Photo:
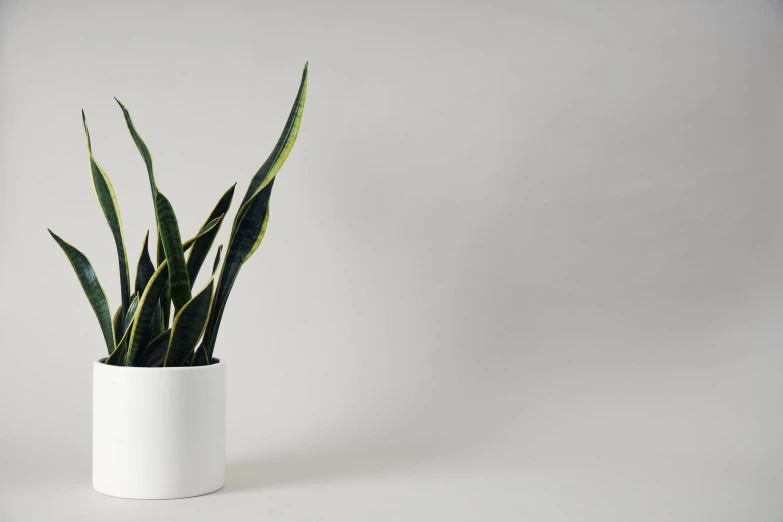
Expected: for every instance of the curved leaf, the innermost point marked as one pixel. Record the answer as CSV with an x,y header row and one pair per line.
x,y
132,309
122,322
143,150
155,351
160,253
157,321
111,211
279,154
188,325
118,325
146,323
141,333
145,154
251,220
165,298
248,236
200,250
144,271
92,288
260,235
199,357
217,260
117,357
165,303
144,268
206,229
179,283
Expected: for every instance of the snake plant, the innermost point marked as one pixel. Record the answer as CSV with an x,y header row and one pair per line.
x,y
142,331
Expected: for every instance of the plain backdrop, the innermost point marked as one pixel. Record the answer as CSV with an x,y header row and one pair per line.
x,y
525,261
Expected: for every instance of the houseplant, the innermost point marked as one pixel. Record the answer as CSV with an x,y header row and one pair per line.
x,y
159,395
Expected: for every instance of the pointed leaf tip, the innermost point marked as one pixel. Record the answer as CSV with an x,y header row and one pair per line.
x,y
92,288
217,260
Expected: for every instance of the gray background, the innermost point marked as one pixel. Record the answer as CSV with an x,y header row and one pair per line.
x,y
524,262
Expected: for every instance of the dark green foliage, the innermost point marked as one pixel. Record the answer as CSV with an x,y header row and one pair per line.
x,y
92,289
145,268
138,334
156,350
179,284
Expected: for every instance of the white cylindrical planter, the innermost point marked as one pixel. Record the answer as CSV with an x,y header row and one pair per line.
x,y
158,433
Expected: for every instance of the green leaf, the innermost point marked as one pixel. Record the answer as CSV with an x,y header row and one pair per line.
x,y
188,326
248,236
144,271
120,321
279,154
161,254
179,283
145,325
155,351
142,330
157,321
118,325
199,357
190,323
251,220
111,211
144,268
200,250
117,357
165,304
210,228
217,260
203,231
132,309
92,288
259,207
165,299
145,154
143,150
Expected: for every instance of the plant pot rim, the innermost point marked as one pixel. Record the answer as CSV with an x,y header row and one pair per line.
x,y
217,362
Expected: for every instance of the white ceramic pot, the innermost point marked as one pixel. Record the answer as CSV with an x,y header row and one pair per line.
x,y
158,433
